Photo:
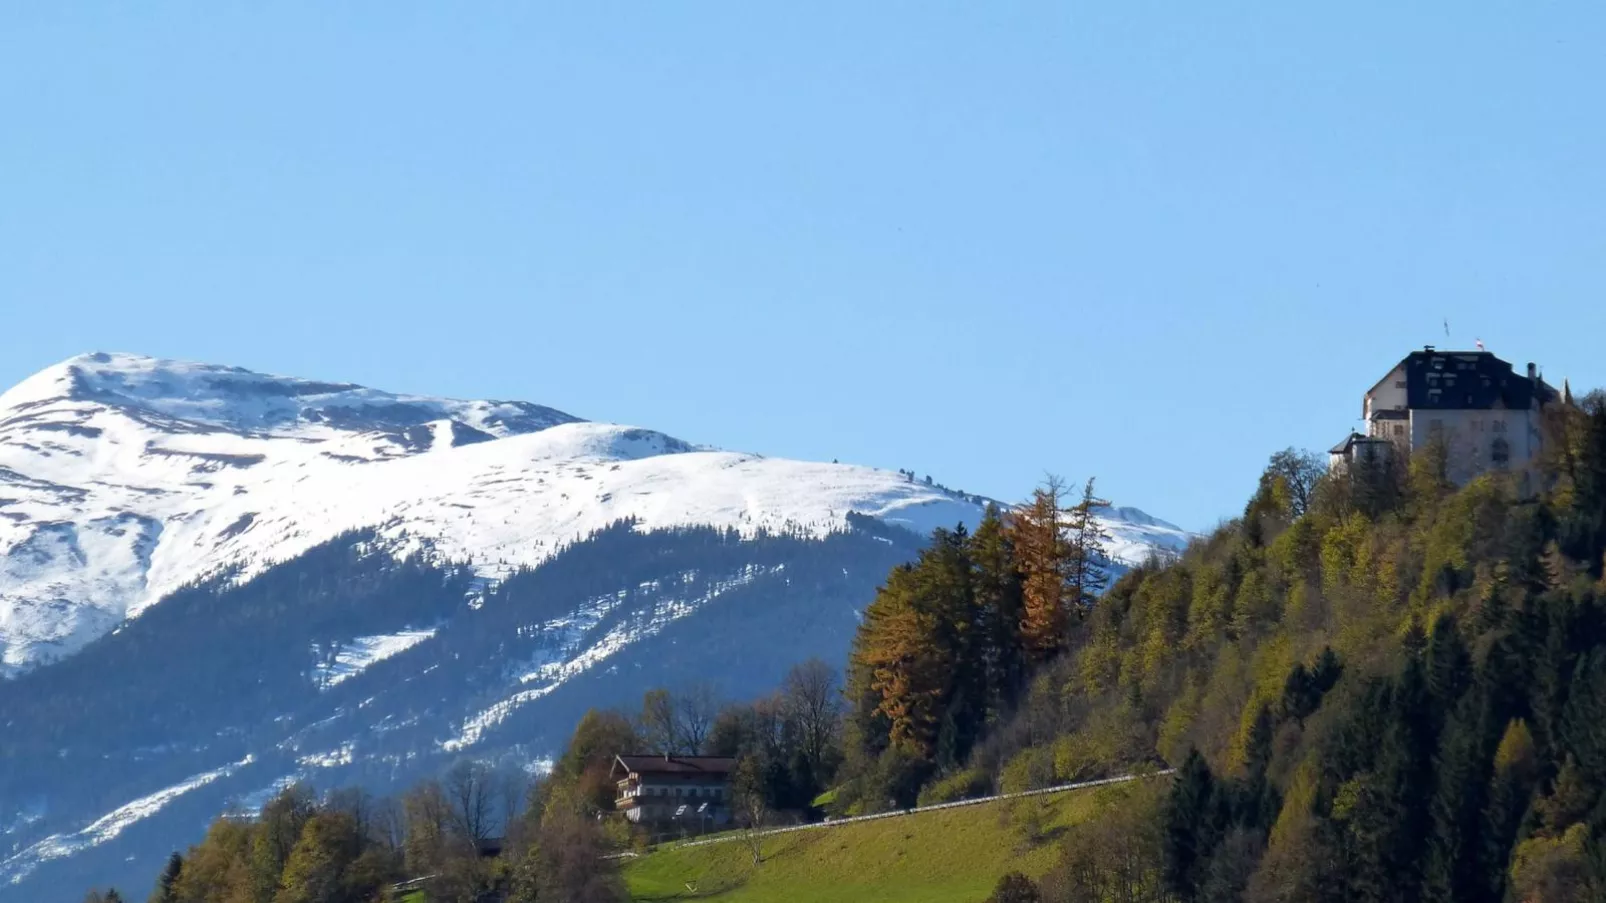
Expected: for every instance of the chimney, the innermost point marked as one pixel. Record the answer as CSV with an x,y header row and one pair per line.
x,y
1533,370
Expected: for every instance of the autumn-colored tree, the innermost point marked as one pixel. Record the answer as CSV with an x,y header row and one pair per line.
x,y
218,868
316,869
906,672
1037,530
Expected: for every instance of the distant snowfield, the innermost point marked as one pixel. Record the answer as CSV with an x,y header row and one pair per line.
x,y
355,657
569,655
123,478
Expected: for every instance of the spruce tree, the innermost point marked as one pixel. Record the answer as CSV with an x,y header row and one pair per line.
x,y
1516,772
1584,718
1454,868
1449,664
1325,673
166,890
1297,698
1258,802
997,587
1087,573
1193,827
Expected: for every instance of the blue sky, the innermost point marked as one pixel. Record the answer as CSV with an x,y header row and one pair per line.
x,y
1151,242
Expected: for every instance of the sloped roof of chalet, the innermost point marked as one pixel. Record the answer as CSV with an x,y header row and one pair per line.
x,y
682,765
1468,380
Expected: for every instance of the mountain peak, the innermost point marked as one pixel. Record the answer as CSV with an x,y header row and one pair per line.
x,y
237,399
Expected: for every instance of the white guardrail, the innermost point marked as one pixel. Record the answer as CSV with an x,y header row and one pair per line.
x,y
898,813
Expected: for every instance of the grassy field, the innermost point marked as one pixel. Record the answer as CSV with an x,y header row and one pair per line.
x,y
952,856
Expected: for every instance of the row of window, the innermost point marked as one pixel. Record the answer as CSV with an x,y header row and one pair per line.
x,y
1436,426
692,792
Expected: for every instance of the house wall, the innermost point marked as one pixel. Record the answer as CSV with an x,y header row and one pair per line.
x,y
1388,395
658,796
1470,436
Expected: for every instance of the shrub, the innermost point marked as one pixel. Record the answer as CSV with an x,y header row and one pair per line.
x,y
961,785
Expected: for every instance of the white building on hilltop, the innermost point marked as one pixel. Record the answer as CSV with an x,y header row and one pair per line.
x,y
1486,415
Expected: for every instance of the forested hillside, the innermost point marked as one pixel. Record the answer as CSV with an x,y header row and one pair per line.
x,y
1376,686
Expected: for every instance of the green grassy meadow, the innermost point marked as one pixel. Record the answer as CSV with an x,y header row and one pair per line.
x,y
950,856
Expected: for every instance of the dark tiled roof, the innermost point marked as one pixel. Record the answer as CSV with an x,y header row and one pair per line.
x,y
1469,380
1352,440
648,764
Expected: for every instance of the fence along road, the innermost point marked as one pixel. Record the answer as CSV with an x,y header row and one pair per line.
x,y
1062,788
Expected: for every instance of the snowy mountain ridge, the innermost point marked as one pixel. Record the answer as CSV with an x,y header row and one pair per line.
x,y
124,478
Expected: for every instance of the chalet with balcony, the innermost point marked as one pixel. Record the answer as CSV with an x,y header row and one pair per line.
x,y
660,789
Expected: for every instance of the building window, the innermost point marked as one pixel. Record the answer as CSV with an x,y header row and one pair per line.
x,y
1500,453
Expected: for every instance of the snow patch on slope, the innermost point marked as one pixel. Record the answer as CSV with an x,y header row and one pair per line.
x,y
353,658
107,827
574,651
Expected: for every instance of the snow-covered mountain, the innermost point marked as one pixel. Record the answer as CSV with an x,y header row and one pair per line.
x,y
214,582
123,478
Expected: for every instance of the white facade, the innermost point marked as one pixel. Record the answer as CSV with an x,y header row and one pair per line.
x,y
1479,441
1388,395
1487,416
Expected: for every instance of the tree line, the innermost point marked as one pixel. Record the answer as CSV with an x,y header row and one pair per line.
x,y
483,828
950,641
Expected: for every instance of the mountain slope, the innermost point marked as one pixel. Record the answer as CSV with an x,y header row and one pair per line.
x,y
123,478
213,582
